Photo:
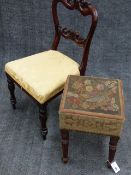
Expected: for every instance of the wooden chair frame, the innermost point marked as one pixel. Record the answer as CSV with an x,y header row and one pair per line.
x,y
86,9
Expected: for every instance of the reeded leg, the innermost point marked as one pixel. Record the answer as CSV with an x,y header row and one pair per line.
x,y
65,144
43,119
112,149
11,87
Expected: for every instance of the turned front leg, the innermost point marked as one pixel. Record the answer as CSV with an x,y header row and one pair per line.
x,y
43,119
11,87
65,144
112,149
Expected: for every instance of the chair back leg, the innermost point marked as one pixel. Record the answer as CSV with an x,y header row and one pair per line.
x,y
11,87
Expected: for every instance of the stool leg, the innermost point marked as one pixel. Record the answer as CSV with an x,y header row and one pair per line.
x,y
11,87
43,119
112,149
65,144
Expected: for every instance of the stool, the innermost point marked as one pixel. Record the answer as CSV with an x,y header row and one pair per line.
x,y
94,105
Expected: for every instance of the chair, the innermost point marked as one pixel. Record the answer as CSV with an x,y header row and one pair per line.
x,y
42,76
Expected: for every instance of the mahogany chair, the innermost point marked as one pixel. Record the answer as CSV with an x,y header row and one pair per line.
x,y
43,75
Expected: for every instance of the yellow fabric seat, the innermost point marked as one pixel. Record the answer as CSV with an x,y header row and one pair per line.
x,y
44,74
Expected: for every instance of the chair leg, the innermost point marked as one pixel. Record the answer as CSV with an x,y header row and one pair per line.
x,y
65,144
43,119
11,87
112,149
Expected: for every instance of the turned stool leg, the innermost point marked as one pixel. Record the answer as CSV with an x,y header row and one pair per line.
x,y
65,143
112,149
43,119
11,87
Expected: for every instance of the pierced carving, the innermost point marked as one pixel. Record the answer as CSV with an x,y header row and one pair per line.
x,y
77,3
74,36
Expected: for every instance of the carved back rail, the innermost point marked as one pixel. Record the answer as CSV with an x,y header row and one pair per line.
x,y
86,9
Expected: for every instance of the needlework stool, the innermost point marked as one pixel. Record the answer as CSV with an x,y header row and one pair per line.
x,y
94,105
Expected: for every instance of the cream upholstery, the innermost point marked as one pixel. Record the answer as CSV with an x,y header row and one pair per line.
x,y
44,74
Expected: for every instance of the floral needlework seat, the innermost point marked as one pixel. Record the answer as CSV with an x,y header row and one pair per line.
x,y
92,104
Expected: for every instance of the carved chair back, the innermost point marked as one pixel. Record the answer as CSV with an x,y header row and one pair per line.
x,y
86,9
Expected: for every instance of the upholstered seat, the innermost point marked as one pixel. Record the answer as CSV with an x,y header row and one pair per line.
x,y
32,74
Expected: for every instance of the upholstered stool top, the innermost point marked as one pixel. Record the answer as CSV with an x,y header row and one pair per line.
x,y
92,104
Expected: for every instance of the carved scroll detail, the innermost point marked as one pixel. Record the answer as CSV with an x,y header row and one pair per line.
x,y
74,36
77,3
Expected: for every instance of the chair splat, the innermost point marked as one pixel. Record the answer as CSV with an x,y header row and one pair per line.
x,y
74,36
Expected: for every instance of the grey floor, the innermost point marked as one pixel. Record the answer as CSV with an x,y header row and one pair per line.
x,y
26,28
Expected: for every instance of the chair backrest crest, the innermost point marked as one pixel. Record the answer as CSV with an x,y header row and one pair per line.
x,y
86,9
79,4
